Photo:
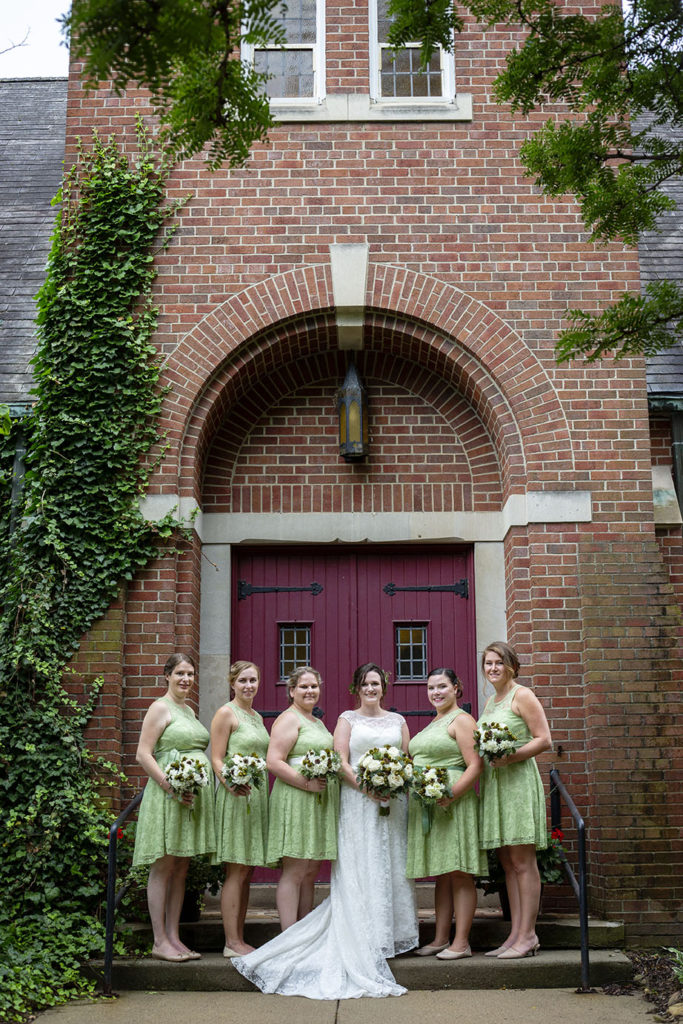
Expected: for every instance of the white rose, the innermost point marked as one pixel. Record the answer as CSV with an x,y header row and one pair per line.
x,y
395,781
393,752
377,780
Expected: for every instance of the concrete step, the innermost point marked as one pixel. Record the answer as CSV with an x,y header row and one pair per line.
x,y
555,931
549,969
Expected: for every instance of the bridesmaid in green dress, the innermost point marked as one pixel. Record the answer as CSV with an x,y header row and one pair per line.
x,y
167,834
450,850
302,825
241,811
513,819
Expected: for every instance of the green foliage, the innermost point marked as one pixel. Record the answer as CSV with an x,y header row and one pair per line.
x,y
187,54
677,965
636,323
433,24
80,534
4,420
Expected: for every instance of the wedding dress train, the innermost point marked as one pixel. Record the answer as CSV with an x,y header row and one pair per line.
x,y
339,950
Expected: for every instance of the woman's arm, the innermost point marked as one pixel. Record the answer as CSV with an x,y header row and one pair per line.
x,y
155,721
283,736
461,730
405,737
342,739
526,704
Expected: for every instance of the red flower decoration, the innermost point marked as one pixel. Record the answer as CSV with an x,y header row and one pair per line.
x,y
558,834
119,834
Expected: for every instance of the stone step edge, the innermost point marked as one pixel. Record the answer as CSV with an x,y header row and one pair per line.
x,y
556,932
550,969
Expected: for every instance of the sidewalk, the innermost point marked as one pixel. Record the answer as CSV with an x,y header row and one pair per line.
x,y
466,1006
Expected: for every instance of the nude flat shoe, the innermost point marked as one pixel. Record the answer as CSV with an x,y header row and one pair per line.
x,y
454,954
430,950
229,953
179,958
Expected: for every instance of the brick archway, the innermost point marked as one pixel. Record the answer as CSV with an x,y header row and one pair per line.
x,y
433,324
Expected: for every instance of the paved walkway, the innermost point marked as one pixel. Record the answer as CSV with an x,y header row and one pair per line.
x,y
540,1006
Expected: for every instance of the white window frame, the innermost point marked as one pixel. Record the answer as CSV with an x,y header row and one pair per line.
x,y
318,52
447,70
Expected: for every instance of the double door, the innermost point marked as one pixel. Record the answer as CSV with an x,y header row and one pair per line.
x,y
406,609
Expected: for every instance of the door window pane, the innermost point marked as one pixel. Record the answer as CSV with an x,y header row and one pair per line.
x,y
295,647
411,650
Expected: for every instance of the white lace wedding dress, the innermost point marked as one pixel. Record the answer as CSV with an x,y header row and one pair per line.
x,y
339,950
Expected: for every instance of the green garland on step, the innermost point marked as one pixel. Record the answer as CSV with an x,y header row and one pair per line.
x,y
92,439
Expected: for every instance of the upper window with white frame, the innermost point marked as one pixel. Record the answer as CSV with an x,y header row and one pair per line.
x,y
397,75
296,70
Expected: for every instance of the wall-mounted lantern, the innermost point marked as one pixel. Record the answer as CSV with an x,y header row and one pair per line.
x,y
352,407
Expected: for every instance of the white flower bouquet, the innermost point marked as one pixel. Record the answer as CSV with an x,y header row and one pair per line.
x,y
494,741
429,786
320,764
244,770
186,775
385,772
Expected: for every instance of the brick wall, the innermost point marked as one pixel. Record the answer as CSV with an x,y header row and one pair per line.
x,y
470,273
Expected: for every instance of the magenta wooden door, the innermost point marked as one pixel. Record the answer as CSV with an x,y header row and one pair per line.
x,y
408,609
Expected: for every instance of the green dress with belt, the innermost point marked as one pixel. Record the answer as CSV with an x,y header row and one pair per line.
x,y
512,797
299,823
165,825
241,826
452,843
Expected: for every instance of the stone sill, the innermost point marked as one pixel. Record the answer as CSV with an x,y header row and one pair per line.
x,y
359,107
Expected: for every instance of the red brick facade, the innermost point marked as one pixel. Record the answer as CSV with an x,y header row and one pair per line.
x,y
470,273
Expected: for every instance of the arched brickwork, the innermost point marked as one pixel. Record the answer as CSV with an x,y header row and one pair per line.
x,y
272,324
277,448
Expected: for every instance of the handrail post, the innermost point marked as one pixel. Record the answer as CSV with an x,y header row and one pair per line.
x,y
583,908
112,902
111,910
557,793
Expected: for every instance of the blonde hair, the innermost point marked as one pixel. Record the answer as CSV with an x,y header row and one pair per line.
x,y
296,674
506,653
238,667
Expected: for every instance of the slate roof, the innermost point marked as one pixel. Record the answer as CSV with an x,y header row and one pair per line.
x,y
661,256
32,130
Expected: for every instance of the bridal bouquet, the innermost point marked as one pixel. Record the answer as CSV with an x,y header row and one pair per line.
x,y
244,770
385,772
494,741
186,775
320,764
429,786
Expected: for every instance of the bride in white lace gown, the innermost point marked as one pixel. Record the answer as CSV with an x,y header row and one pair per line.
x,y
339,950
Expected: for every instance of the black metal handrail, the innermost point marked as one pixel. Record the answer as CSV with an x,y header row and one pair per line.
x,y
558,792
114,897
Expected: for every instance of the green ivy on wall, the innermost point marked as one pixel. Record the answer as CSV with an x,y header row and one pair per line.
x,y
91,439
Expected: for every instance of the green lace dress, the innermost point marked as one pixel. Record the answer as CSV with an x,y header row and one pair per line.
x,y
452,843
299,824
165,826
241,827
512,797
